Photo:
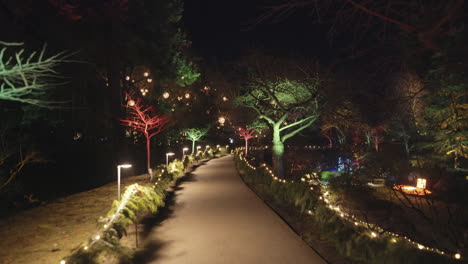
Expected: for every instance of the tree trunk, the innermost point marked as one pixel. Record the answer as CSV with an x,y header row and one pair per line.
x,y
246,146
278,151
148,153
193,146
405,142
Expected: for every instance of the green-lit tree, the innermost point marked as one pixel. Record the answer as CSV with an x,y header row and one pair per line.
x,y
287,105
27,77
195,134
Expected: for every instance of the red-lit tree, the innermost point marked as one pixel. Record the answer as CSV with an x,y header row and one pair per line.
x,y
144,119
246,134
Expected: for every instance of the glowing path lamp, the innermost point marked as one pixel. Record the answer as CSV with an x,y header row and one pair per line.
x,y
183,151
198,147
125,166
167,157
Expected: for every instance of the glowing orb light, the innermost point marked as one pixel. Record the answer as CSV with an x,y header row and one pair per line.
x,y
221,120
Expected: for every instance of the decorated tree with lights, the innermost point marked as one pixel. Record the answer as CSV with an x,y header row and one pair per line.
x,y
287,102
195,134
249,131
246,133
144,119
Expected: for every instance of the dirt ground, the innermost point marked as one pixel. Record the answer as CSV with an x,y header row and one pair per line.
x,y
47,233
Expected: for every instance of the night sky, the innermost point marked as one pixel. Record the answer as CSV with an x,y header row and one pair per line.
x,y
226,29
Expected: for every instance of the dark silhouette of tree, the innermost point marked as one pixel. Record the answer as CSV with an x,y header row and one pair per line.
x,y
423,19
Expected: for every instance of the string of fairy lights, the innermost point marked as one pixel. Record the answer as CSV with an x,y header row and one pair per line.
x,y
131,190
374,230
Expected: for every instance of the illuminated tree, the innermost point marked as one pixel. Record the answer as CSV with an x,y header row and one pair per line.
x,y
145,120
400,130
26,78
447,110
246,134
374,136
195,134
288,106
250,131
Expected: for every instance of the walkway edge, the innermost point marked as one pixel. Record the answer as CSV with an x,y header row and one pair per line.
x,y
280,216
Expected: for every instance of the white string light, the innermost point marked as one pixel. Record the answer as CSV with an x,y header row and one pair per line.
x,y
127,196
349,217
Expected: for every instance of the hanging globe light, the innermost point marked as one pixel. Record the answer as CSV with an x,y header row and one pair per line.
x,y
221,120
166,95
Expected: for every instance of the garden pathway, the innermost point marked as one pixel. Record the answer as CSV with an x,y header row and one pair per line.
x,y
216,218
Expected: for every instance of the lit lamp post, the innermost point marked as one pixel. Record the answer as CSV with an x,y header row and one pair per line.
x,y
183,151
167,157
125,166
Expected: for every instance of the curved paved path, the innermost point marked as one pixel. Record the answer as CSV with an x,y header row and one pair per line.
x,y
218,219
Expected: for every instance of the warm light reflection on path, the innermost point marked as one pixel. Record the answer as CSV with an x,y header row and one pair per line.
x,y
218,219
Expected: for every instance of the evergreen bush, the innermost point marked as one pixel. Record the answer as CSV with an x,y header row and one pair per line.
x,y
137,199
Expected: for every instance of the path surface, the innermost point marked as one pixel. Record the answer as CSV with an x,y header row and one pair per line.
x,y
216,218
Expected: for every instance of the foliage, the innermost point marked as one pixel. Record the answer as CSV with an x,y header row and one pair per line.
x,y
447,113
287,103
352,241
26,78
186,72
136,200
145,120
195,134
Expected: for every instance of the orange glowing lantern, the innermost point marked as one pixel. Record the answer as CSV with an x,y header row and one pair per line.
x,y
421,183
420,188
